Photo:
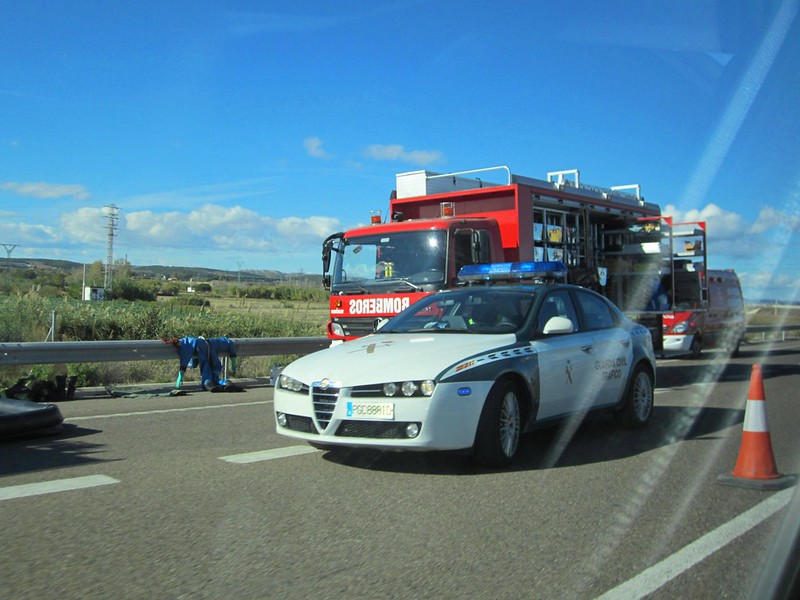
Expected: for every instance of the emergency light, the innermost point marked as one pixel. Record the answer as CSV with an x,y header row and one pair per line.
x,y
375,217
510,271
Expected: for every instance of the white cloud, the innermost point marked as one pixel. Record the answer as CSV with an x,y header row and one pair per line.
x,y
217,227
167,228
301,230
399,153
721,224
46,191
27,234
86,225
765,285
313,146
732,239
769,218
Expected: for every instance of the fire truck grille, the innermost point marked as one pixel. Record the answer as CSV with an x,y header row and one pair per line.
x,y
357,326
366,429
324,403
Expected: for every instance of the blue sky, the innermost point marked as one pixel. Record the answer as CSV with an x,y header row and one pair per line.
x,y
239,134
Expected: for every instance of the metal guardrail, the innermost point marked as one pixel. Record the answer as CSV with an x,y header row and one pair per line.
x,y
771,328
38,353
765,329
33,353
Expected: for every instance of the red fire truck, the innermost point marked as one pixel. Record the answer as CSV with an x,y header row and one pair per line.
x,y
609,239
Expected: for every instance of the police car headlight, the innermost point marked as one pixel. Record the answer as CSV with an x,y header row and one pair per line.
x,y
288,383
408,388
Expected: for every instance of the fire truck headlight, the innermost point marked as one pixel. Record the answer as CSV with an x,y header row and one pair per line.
x,y
337,329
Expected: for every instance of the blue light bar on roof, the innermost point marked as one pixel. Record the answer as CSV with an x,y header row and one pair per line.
x,y
511,271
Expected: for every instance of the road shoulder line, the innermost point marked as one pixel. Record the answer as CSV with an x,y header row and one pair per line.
x,y
671,567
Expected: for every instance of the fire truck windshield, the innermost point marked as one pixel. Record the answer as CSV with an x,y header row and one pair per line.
x,y
381,261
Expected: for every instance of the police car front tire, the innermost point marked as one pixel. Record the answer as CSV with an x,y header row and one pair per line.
x,y
499,428
638,403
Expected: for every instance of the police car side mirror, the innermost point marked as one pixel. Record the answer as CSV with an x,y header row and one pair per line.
x,y
558,325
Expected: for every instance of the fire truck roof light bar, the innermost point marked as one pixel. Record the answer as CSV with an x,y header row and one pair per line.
x,y
513,271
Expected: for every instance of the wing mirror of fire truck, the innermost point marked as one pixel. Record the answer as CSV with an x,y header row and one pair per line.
x,y
327,247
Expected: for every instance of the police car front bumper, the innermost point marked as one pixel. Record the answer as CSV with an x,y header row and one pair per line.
x,y
447,420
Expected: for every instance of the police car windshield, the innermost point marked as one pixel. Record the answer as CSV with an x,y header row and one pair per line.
x,y
473,310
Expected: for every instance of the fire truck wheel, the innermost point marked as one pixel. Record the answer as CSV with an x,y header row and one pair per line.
x,y
638,404
497,438
696,348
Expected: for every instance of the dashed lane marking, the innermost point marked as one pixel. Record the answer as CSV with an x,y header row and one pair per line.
x,y
58,485
251,457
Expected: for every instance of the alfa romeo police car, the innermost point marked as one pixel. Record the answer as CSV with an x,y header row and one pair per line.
x,y
472,368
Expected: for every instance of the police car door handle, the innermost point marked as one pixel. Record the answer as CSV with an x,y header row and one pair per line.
x,y
587,349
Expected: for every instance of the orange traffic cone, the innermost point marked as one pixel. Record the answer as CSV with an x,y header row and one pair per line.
x,y
755,467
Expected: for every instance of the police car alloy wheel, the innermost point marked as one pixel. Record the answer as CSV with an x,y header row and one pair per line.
x,y
638,404
497,439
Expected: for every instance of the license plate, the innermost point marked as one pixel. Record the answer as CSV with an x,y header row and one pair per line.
x,y
370,410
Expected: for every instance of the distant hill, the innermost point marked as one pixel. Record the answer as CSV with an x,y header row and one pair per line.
x,y
167,272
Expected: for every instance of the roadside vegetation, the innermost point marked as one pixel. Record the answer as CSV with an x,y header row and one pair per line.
x,y
45,304
40,304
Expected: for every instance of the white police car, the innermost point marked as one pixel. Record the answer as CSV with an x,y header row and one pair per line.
x,y
472,368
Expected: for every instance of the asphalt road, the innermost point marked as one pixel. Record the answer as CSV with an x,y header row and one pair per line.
x,y
196,497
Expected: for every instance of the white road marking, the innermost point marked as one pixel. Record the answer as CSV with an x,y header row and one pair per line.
x,y
58,485
251,457
167,410
671,567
